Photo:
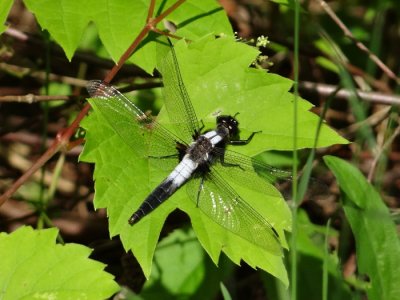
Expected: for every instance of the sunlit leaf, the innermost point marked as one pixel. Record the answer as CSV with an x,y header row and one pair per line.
x,y
119,22
38,268
216,74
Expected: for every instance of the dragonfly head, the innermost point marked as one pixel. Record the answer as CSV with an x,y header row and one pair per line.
x,y
229,123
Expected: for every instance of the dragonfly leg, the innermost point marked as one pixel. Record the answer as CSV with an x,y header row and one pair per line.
x,y
243,142
197,133
225,164
202,126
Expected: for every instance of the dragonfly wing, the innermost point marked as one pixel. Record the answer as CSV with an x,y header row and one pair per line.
x,y
259,176
139,131
218,200
176,98
250,172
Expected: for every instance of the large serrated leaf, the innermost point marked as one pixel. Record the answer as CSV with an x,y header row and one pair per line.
x,y
216,74
37,268
119,22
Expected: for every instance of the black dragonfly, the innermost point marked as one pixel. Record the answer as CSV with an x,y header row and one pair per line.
x,y
198,158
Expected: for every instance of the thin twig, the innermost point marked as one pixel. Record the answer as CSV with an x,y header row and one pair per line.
x,y
372,121
326,90
38,164
360,45
388,142
42,75
31,98
17,34
34,140
80,56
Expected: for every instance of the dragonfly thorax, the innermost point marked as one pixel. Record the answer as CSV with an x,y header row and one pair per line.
x,y
227,128
198,151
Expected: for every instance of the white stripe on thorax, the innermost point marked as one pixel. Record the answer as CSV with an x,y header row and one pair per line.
x,y
183,171
213,136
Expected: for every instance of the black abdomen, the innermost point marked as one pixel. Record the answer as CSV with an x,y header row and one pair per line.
x,y
158,196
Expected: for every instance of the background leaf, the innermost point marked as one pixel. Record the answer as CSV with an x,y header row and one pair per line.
x,y
311,253
182,268
37,268
374,231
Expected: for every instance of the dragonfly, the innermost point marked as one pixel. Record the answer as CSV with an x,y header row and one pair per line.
x,y
195,157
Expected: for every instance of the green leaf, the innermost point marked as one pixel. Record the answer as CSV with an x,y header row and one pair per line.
x,y
37,268
312,253
5,7
182,268
377,242
122,181
327,64
119,22
217,77
215,238
64,20
179,259
225,292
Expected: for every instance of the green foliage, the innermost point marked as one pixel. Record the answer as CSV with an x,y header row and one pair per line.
x,y
374,231
5,7
216,76
118,23
34,267
225,292
181,269
312,253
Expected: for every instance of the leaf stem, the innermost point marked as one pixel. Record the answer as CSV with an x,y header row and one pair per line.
x,y
293,249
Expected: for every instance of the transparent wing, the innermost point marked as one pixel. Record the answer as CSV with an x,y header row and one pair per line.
x,y
249,172
179,107
259,176
217,199
139,131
